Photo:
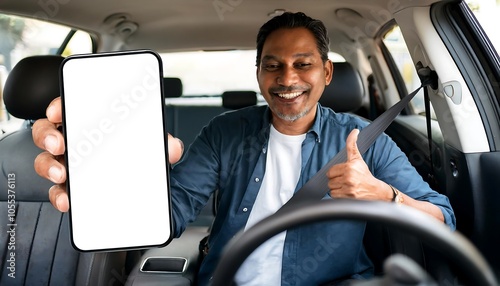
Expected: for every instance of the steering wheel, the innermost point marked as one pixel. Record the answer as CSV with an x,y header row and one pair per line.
x,y
430,231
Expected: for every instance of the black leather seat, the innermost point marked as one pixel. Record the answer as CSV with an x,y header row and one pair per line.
x,y
172,87
346,90
238,99
37,234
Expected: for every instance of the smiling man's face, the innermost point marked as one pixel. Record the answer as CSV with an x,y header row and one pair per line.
x,y
292,75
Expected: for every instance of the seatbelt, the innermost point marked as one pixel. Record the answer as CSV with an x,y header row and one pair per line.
x,y
317,187
431,177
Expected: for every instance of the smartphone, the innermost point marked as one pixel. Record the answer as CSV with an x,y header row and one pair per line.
x,y
116,150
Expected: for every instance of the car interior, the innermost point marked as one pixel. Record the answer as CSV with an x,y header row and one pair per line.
x,y
449,133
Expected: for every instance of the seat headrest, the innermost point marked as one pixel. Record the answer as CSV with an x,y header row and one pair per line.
x,y
172,87
345,92
31,85
238,99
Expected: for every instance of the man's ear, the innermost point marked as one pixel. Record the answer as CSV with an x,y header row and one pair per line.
x,y
328,71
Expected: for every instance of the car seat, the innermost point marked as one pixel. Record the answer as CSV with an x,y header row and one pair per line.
x,y
346,90
35,236
172,87
238,99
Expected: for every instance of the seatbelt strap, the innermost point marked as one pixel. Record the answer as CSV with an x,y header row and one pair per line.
x,y
431,175
317,187
430,76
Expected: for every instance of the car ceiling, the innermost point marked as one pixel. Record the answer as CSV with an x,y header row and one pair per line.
x,y
206,24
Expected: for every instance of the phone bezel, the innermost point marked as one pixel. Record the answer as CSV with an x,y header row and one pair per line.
x,y
168,239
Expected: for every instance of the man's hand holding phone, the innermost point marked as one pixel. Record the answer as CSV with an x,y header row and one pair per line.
x,y
50,164
106,151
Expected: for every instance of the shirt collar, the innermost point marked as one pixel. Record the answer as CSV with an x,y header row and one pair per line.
x,y
318,122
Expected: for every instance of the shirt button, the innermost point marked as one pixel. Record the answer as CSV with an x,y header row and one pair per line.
x,y
245,209
264,150
257,180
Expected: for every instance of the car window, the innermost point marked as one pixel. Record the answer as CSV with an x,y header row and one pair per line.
x,y
80,43
22,37
396,46
486,12
212,72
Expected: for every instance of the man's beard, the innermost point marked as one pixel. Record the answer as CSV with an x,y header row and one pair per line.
x,y
293,117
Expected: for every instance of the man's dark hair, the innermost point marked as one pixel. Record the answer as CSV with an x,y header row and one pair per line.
x,y
291,20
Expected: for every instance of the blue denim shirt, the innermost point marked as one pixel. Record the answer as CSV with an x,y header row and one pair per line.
x,y
229,155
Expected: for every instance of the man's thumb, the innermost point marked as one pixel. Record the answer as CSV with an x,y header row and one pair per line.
x,y
351,146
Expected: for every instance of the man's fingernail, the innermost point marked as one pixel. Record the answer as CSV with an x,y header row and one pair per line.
x,y
50,111
50,143
55,174
58,202
182,144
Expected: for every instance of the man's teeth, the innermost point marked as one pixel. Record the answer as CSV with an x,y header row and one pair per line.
x,y
290,95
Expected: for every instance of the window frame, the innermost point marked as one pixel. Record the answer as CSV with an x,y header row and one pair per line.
x,y
396,76
462,34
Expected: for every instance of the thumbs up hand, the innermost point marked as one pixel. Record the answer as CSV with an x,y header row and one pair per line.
x,y
352,146
353,179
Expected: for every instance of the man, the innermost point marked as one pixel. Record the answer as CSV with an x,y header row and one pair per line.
x,y
259,156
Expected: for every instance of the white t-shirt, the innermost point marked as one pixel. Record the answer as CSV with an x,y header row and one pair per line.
x,y
283,164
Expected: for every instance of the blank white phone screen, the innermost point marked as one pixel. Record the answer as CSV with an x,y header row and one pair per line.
x,y
116,151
